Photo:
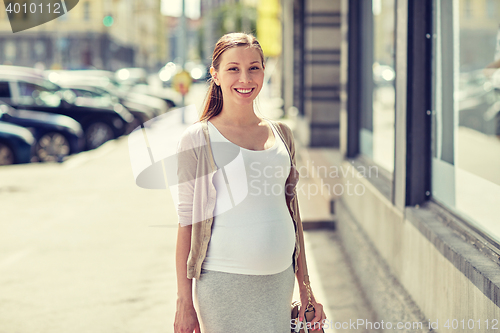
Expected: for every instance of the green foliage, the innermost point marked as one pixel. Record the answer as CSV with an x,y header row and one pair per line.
x,y
234,18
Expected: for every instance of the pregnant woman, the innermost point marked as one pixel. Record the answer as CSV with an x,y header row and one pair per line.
x,y
239,221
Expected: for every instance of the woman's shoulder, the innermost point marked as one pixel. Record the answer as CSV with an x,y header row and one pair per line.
x,y
193,135
283,127
194,129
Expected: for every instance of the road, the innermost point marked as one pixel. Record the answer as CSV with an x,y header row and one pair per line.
x,y
83,249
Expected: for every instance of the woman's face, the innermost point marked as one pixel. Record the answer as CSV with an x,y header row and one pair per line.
x,y
240,75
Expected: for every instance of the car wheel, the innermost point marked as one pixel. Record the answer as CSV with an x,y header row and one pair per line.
x,y
6,155
97,133
52,147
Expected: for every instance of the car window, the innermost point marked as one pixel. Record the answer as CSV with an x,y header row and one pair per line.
x,y
4,90
34,94
85,93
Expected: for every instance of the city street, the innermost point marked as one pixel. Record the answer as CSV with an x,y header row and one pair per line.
x,y
83,249
394,107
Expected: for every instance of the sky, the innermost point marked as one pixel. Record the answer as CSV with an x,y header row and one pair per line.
x,y
174,8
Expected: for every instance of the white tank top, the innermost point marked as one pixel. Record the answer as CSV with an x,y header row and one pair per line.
x,y
252,232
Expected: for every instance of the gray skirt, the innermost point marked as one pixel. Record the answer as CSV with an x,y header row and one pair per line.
x,y
241,303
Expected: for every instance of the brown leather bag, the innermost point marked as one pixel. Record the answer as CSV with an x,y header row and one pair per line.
x,y
302,327
295,325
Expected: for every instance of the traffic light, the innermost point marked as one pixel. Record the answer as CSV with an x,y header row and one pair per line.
x,y
108,20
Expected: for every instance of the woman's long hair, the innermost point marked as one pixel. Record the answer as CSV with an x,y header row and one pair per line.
x,y
213,101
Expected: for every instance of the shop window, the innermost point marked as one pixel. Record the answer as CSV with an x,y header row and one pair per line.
x,y
377,119
466,113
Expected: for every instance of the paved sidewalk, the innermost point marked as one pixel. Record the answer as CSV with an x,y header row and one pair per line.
x,y
333,282
86,250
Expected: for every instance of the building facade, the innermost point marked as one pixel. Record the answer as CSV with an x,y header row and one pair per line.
x,y
407,94
311,60
94,34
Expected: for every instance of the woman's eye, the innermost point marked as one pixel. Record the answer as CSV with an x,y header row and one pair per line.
x,y
255,68
233,69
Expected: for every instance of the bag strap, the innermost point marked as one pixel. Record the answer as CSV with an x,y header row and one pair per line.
x,y
300,229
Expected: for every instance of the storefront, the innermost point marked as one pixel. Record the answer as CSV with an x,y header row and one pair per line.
x,y
419,102
419,105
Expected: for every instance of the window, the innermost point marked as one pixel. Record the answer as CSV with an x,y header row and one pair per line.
x,y
9,50
86,11
4,90
33,94
377,119
466,114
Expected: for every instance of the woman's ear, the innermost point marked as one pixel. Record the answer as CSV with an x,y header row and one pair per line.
x,y
213,72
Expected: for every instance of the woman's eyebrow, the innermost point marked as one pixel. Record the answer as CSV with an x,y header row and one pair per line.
x,y
237,63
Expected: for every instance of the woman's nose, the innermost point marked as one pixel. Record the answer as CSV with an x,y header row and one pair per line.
x,y
245,77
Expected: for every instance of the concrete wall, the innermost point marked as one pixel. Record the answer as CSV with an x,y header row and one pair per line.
x,y
414,268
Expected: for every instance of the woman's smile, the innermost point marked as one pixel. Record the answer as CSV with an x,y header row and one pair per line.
x,y
244,92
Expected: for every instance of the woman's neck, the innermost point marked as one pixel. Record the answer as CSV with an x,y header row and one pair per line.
x,y
238,115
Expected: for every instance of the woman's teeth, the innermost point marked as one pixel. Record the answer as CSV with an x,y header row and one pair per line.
x,y
244,91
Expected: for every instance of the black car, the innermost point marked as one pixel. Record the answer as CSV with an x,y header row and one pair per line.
x,y
56,136
29,92
105,80
98,97
16,144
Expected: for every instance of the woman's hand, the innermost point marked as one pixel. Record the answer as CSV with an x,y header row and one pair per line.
x,y
319,314
186,320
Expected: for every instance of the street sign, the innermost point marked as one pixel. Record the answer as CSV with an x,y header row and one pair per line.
x,y
182,82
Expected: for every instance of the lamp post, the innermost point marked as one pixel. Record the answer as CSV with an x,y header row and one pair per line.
x,y
183,49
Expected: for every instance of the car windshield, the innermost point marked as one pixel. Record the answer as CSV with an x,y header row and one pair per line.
x,y
92,96
45,94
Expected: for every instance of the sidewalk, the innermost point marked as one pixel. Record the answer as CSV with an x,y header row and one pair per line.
x,y
331,275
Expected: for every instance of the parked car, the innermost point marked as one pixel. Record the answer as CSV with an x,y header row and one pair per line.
x,y
56,136
16,144
478,103
30,92
131,76
170,96
198,72
98,97
106,81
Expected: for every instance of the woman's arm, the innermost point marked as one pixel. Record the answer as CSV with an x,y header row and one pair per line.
x,y
186,320
307,295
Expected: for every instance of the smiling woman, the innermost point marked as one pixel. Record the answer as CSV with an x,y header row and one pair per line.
x,y
242,249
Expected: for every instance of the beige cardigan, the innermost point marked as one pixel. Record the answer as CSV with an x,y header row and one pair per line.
x,y
197,194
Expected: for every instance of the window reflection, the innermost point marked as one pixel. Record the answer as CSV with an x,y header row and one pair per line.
x,y
466,115
33,94
383,83
479,94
